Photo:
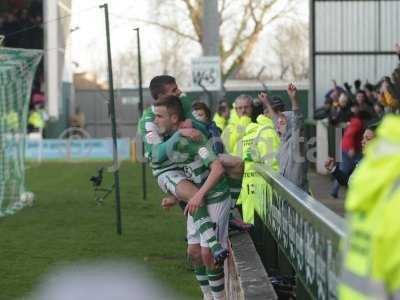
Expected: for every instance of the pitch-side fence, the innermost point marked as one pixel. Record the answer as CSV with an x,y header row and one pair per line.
x,y
294,227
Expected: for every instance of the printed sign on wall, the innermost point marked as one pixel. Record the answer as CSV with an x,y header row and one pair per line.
x,y
206,72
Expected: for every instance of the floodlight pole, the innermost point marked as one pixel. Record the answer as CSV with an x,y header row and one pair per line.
x,y
144,186
111,108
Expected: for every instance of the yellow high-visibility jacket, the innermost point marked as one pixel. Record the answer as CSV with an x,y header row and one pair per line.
x,y
12,120
220,121
371,265
36,120
233,134
260,145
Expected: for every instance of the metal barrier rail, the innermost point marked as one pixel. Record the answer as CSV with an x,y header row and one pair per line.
x,y
307,232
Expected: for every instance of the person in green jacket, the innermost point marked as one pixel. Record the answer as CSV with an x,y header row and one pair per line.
x,y
371,264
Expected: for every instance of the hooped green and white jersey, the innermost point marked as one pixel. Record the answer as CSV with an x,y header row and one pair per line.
x,y
147,130
194,159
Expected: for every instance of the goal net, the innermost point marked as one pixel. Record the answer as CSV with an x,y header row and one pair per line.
x,y
17,69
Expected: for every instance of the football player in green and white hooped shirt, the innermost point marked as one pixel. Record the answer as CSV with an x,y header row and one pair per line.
x,y
171,178
171,181
203,168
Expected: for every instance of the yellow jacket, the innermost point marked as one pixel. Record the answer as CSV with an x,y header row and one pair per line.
x,y
233,134
371,266
12,120
260,145
389,101
36,120
220,121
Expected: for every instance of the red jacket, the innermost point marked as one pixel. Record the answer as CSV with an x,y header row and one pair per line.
x,y
352,135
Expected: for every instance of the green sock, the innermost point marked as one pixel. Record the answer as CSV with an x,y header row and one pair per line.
x,y
205,226
202,279
216,280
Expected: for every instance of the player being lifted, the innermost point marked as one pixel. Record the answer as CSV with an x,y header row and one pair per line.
x,y
202,167
171,177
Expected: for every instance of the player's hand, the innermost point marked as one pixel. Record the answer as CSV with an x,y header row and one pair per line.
x,y
191,133
330,163
168,202
292,90
194,203
228,160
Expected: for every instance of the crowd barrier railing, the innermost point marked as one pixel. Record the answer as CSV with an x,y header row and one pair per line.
x,y
306,231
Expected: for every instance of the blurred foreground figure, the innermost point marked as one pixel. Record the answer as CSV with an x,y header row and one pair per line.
x,y
371,266
105,281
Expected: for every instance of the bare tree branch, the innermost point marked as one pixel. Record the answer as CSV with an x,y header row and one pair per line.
x,y
241,29
169,28
250,40
238,44
196,16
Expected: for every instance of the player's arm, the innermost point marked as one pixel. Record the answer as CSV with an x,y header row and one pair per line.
x,y
211,161
157,150
216,171
233,165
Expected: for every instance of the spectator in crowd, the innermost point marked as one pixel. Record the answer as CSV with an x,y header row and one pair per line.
x,y
37,119
203,114
370,93
235,130
342,177
351,144
22,27
387,95
363,102
221,117
379,111
37,97
260,144
19,22
333,94
277,106
364,106
340,110
289,125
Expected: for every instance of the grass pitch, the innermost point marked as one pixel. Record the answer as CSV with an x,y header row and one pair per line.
x,y
65,225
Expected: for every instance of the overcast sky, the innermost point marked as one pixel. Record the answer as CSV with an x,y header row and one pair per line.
x,y
89,43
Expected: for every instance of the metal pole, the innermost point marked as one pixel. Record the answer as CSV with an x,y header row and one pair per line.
x,y
211,40
113,123
144,186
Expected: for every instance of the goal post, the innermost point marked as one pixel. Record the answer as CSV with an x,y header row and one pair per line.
x,y
17,70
